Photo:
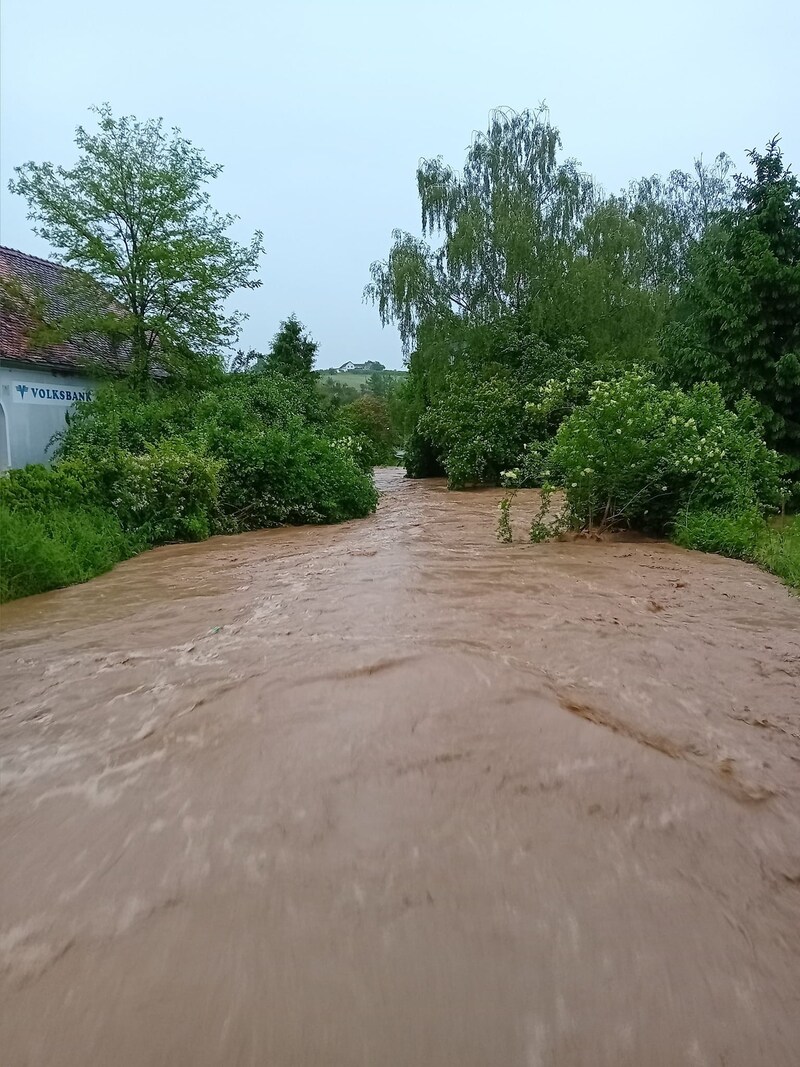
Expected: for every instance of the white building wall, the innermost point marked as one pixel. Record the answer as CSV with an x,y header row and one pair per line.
x,y
33,404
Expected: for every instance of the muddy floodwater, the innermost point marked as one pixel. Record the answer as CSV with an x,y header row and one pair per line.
x,y
394,794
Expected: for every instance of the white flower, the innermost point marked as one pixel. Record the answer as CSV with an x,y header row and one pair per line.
x,y
574,485
619,431
663,488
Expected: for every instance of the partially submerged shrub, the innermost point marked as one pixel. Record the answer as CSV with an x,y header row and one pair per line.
x,y
636,455
275,476
479,428
368,418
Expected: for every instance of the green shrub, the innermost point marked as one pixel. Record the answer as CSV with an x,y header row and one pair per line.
x,y
263,438
479,428
779,551
727,533
275,476
67,484
167,493
637,455
57,547
421,457
368,418
249,451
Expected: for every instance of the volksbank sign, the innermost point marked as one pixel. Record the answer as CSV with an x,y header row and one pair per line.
x,y
27,393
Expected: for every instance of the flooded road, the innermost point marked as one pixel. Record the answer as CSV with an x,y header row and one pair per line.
x,y
391,793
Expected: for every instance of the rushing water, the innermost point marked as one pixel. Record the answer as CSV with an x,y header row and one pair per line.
x,y
392,793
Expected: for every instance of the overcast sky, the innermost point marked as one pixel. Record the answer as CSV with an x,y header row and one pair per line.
x,y
320,109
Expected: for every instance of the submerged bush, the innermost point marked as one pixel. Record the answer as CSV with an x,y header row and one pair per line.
x,y
637,455
479,429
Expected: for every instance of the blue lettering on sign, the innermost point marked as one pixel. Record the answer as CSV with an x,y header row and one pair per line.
x,y
39,392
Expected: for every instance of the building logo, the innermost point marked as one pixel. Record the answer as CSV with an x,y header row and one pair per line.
x,y
41,394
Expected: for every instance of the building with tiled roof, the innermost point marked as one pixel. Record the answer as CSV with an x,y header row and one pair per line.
x,y
41,379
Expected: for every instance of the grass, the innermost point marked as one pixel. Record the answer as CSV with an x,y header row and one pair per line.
x,y
773,546
355,381
63,546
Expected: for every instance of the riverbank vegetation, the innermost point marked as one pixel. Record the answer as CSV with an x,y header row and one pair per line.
x,y
133,470
639,350
178,443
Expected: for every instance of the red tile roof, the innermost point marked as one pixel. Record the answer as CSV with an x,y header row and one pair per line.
x,y
43,281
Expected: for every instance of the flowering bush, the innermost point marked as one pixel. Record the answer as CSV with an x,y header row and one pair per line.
x,y
168,493
637,454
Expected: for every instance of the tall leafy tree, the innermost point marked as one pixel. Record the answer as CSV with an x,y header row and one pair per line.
x,y
740,309
292,351
134,214
505,221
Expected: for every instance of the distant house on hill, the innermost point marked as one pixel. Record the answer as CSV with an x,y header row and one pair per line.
x,y
39,382
370,367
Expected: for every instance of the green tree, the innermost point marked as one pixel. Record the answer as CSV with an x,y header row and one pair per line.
x,y
506,222
369,417
134,214
292,351
380,384
739,317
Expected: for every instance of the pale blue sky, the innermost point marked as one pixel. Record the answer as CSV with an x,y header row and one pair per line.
x,y
320,110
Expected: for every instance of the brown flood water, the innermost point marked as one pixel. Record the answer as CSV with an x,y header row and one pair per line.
x,y
393,794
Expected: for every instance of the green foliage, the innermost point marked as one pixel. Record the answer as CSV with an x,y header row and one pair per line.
x,y
505,532
275,476
478,428
176,464
637,455
254,450
292,352
740,307
68,484
744,535
729,533
134,215
481,417
167,493
41,550
504,220
335,395
369,418
532,258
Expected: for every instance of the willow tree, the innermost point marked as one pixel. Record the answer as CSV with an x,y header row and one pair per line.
x,y
504,227
673,213
134,215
